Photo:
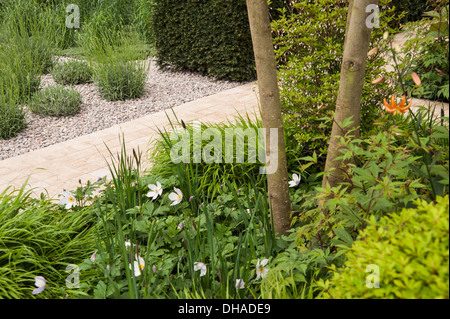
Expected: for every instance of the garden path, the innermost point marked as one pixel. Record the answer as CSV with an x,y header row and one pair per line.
x,y
59,167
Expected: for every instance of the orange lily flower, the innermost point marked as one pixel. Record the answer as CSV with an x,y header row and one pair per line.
x,y
397,109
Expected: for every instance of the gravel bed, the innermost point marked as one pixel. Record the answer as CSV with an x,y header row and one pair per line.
x,y
163,89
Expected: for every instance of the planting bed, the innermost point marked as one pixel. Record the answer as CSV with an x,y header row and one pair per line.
x,y
163,89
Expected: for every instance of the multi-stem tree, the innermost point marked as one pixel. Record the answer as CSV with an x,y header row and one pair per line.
x,y
348,104
266,69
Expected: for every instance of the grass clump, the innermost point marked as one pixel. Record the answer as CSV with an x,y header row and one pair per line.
x,y
72,73
56,101
39,238
118,63
12,116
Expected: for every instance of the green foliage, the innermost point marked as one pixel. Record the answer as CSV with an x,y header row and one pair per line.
x,y
20,59
309,57
414,9
40,239
242,135
72,72
56,101
430,49
387,172
120,81
211,37
117,60
410,249
12,116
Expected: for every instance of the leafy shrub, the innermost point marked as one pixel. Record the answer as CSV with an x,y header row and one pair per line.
x,y
309,39
386,173
413,9
411,249
56,101
430,59
72,72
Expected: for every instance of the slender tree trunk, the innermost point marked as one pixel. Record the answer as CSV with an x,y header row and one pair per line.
x,y
348,104
266,69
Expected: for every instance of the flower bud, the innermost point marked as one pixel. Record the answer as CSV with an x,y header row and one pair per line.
x,y
373,51
379,80
416,79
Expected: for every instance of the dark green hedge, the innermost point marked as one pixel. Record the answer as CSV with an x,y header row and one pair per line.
x,y
207,36
414,8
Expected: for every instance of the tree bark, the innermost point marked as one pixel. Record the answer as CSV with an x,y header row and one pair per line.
x,y
348,104
266,69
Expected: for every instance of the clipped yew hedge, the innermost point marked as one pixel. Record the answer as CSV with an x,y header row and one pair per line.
x,y
207,36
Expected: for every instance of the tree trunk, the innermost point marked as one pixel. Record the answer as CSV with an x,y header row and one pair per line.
x,y
266,69
348,104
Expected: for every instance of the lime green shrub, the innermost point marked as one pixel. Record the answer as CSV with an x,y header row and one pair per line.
x,y
411,251
72,72
56,101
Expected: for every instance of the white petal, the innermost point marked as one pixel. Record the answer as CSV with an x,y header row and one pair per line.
x,y
200,266
178,191
264,262
294,177
152,187
39,281
173,196
264,273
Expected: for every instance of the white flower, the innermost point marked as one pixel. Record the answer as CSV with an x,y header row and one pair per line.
x,y
139,265
200,266
261,272
295,180
40,284
68,199
240,284
127,244
155,190
176,197
180,225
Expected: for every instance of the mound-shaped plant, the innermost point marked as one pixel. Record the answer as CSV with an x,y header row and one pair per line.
x,y
120,81
72,72
56,101
402,255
